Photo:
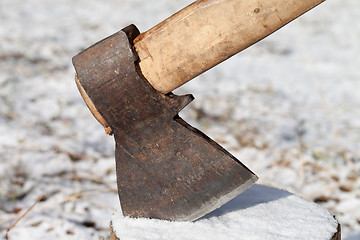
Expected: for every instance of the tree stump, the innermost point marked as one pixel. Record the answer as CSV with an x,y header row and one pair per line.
x,y
261,212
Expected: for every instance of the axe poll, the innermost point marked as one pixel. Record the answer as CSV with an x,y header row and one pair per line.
x,y
165,168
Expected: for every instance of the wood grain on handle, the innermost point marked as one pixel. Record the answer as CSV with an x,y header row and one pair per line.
x,y
208,32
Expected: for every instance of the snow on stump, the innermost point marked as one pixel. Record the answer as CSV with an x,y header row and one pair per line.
x,y
261,212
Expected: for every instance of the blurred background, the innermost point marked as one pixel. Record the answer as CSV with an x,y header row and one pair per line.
x,y
287,107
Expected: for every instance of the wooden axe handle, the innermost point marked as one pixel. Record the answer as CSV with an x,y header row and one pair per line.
x,y
208,32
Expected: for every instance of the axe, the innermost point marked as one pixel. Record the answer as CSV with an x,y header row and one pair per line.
x,y
165,168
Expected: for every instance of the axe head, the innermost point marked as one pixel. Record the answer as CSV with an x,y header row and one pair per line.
x,y
165,168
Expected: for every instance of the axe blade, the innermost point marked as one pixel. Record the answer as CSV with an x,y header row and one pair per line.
x,y
165,168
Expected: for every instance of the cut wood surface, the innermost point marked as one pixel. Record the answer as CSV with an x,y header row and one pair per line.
x,y
260,213
208,32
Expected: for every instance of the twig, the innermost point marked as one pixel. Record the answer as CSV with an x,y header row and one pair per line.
x,y
101,205
73,197
23,215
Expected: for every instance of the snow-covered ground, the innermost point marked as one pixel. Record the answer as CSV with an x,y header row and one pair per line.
x,y
288,108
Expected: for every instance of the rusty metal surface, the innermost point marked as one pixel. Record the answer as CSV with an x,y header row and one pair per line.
x,y
165,168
